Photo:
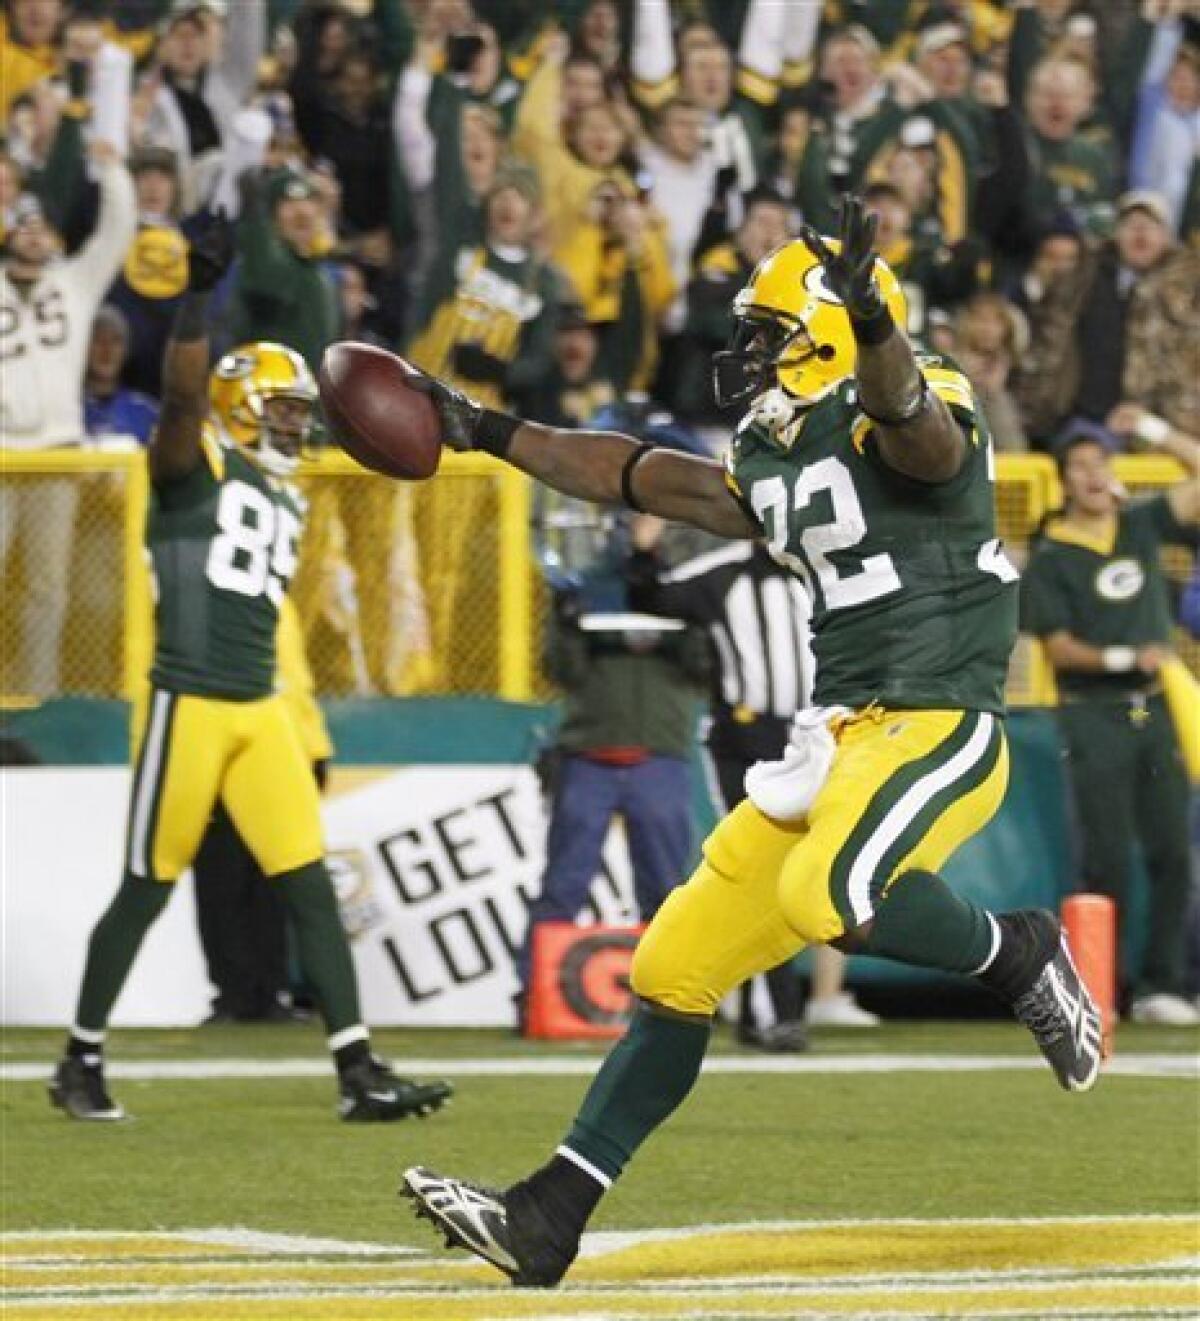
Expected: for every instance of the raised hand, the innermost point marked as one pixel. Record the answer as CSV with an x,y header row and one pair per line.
x,y
210,237
849,272
459,413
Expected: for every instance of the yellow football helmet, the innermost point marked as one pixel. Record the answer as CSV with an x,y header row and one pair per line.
x,y
242,385
791,330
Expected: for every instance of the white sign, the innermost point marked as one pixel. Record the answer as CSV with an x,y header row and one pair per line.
x,y
434,866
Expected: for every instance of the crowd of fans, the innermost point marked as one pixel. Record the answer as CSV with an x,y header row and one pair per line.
x,y
552,202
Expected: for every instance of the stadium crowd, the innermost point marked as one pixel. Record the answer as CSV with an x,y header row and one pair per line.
x,y
551,202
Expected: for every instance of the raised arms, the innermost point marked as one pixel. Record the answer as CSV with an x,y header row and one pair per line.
x,y
917,433
175,446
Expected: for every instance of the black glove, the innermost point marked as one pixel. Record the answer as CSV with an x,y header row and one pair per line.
x,y
210,236
477,364
849,273
459,413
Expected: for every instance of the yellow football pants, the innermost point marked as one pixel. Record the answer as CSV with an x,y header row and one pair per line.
x,y
905,790
196,750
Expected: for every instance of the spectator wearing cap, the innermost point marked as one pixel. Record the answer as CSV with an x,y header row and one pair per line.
x,y
578,386
485,322
1070,172
283,290
46,309
208,57
112,410
154,274
1119,328
721,272
1095,594
1166,139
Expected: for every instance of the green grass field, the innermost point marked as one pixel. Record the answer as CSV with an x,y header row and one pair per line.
x,y
932,1144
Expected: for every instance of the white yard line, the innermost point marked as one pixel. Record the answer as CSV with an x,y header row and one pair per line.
x,y
199,1070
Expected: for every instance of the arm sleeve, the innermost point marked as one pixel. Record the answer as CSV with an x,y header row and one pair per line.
x,y
245,42
415,143
396,34
97,262
653,56
800,43
267,266
761,51
1157,516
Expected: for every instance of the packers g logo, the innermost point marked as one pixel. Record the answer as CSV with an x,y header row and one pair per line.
x,y
156,266
816,285
235,367
1121,580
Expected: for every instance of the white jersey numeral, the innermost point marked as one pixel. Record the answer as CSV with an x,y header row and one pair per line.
x,y
875,575
255,551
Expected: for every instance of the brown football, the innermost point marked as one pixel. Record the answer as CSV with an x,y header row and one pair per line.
x,y
375,415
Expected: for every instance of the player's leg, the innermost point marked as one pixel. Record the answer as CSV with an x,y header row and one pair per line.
x,y
272,798
906,790
176,774
722,926
1161,805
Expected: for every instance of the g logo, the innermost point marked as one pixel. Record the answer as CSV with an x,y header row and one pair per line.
x,y
235,367
816,286
594,977
1121,580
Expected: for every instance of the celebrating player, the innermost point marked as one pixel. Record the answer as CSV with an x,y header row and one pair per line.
x,y
222,532
867,469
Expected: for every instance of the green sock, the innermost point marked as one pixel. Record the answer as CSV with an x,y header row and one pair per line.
x,y
321,944
116,939
920,920
646,1075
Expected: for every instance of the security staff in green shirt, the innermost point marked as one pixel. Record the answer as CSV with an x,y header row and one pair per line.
x,y
1096,595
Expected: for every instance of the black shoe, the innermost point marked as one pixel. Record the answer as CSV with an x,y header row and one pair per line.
x,y
787,1038
507,1229
372,1093
78,1088
1063,1017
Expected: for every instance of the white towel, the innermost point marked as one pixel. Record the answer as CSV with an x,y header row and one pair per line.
x,y
787,788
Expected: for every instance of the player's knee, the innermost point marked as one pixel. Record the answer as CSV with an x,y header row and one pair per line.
x,y
807,903
663,973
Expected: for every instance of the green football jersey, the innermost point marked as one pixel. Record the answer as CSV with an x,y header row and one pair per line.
x,y
1110,594
914,601
222,546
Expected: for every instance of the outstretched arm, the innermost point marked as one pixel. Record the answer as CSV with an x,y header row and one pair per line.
x,y
175,445
917,433
603,466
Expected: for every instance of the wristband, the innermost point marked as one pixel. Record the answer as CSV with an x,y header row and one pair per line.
x,y
1118,660
494,433
644,448
1153,430
873,330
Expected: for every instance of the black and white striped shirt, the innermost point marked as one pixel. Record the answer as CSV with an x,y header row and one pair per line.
x,y
756,614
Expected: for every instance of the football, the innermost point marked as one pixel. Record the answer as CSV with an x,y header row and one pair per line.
x,y
375,415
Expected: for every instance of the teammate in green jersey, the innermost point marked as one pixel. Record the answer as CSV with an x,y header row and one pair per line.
x,y
222,531
868,471
1095,593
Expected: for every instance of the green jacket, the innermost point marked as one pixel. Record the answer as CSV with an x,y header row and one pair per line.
x,y
614,697
278,294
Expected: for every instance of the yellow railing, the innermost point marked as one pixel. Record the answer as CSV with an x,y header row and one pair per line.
x,y
427,588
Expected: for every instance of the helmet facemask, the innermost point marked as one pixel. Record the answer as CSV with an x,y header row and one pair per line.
x,y
763,341
285,424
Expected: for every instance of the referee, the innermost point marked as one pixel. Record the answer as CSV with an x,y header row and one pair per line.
x,y
757,617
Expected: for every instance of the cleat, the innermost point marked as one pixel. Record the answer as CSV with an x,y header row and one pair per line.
x,y
369,1092
506,1229
78,1089
1063,1017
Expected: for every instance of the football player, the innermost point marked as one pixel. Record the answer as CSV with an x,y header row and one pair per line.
x,y
221,533
867,468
